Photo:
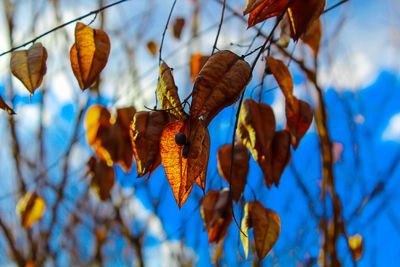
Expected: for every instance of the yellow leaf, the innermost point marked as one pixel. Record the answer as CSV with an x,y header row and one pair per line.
x,y
30,208
356,246
244,234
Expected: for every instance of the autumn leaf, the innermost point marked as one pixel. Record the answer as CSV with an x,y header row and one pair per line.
x,y
5,107
152,47
219,84
167,92
240,167
102,177
313,35
177,27
96,117
89,54
280,154
285,32
145,132
299,116
30,208
29,66
262,10
356,246
216,212
185,164
266,225
282,76
256,129
197,62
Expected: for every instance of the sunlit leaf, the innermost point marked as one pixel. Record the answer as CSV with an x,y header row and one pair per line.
x,y
240,167
282,76
244,234
96,117
313,35
256,129
299,116
102,177
145,132
265,10
177,27
5,107
356,246
167,92
219,84
280,154
152,47
89,54
30,208
197,62
29,66
251,5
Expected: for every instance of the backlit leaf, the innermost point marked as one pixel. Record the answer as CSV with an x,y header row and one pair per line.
x,y
251,5
299,116
264,10
89,54
219,84
96,117
313,35
5,107
102,177
197,62
256,129
240,167
280,154
356,246
177,27
152,47
282,76
30,209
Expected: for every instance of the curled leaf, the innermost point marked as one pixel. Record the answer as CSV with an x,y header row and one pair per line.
x,y
89,54
29,66
280,154
216,212
152,47
240,167
299,116
167,91
256,129
5,107
197,62
177,27
262,10
102,177
145,132
183,171
282,76
219,84
30,208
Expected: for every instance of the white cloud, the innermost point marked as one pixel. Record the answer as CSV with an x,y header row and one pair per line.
x,y
392,131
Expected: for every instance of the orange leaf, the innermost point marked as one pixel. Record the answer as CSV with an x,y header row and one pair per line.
x,y
240,167
265,10
29,66
102,177
282,76
5,107
256,129
280,154
312,37
152,47
89,54
219,84
299,116
185,164
145,132
96,117
30,208
167,92
251,5
177,27
197,62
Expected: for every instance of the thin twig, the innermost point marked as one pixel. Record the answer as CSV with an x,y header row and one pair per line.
x,y
219,27
165,30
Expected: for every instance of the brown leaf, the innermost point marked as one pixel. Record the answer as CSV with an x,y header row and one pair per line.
x,y
197,62
312,37
102,177
256,129
356,246
183,169
167,92
282,76
266,225
5,107
89,54
125,117
265,10
152,47
29,66
285,32
280,154
299,116
30,208
216,212
96,117
219,84
177,27
145,132
240,167
251,5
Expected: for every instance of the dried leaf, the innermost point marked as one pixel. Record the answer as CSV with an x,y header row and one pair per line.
x,y
5,107
282,76
183,171
256,129
266,224
197,62
313,35
30,208
245,225
177,27
125,117
219,84
145,132
265,10
356,246
240,167
284,35
299,116
102,178
152,47
96,117
29,66
251,5
89,54
280,154
167,92
216,212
